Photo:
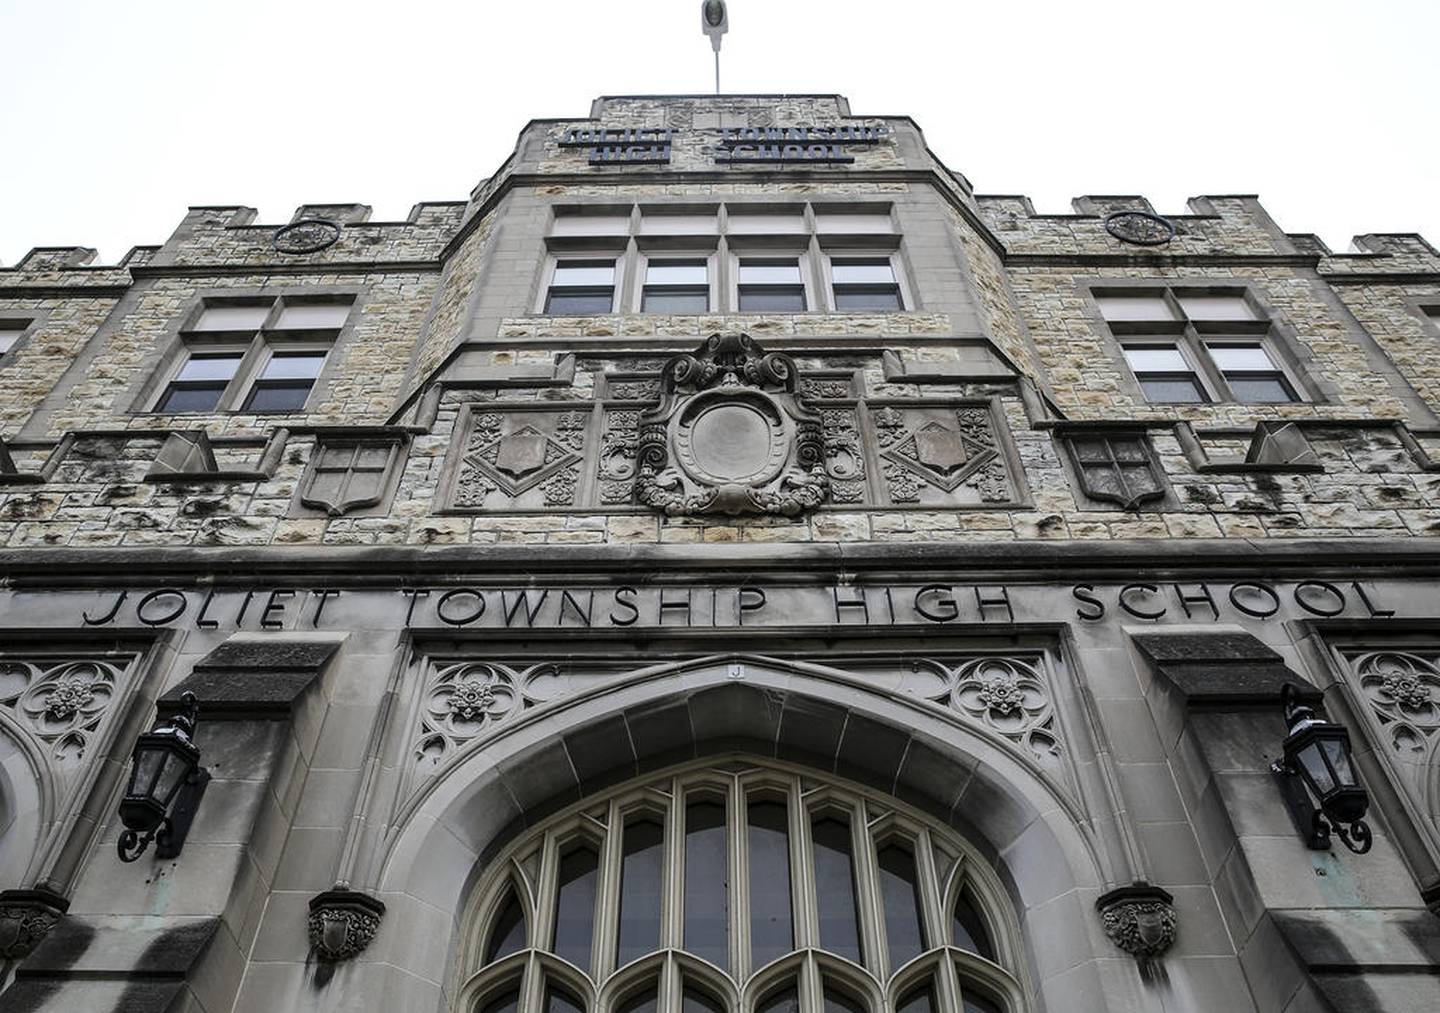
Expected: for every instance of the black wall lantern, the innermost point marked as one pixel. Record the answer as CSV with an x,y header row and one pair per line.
x,y
1317,770
165,772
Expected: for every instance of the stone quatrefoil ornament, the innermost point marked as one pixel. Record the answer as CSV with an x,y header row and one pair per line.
x,y
730,436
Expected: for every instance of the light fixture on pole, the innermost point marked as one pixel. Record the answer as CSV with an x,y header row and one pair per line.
x,y
165,787
1317,778
715,20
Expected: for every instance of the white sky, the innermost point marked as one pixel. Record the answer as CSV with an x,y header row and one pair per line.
x,y
116,116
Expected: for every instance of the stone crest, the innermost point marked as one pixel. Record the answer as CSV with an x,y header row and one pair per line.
x,y
342,923
308,235
730,436
1140,228
1140,919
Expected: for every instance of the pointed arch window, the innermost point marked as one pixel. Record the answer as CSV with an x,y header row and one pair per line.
x,y
745,885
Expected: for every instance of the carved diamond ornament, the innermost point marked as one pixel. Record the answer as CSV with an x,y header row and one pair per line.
x,y
1140,228
730,436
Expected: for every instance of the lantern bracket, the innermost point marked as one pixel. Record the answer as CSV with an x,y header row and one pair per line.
x,y
1313,824
166,822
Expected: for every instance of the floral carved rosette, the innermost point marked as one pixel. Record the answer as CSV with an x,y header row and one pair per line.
x,y
61,703
1403,691
465,701
1011,697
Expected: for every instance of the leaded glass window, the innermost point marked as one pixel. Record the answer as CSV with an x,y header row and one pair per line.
x,y
740,886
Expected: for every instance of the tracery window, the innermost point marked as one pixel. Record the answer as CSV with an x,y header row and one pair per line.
x,y
740,886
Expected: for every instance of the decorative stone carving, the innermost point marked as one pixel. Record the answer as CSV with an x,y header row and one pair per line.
x,y
349,473
1116,467
941,455
26,917
1010,696
515,452
617,455
844,455
62,703
1402,689
730,436
308,235
342,923
1140,228
1140,919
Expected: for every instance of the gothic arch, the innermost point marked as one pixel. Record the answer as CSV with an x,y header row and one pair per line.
x,y
525,771
27,798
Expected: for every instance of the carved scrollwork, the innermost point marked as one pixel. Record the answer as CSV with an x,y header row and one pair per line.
x,y
342,923
308,235
27,917
465,700
1140,228
1008,695
1402,689
61,703
1140,919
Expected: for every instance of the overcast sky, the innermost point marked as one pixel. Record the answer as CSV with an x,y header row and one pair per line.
x,y
116,116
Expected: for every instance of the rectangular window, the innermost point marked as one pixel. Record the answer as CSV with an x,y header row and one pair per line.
x,y
201,382
771,285
582,287
1216,307
1251,374
853,222
1135,307
654,223
9,334
592,225
285,383
1164,374
864,283
758,223
232,318
312,316
676,286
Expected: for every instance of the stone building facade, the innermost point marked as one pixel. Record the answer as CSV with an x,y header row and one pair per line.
x,y
724,564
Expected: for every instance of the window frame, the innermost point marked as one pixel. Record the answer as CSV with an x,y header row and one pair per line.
x,y
256,347
557,258
802,260
1194,337
27,326
710,258
902,294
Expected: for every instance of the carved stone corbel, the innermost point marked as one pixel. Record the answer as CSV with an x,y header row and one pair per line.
x,y
342,923
26,917
1140,919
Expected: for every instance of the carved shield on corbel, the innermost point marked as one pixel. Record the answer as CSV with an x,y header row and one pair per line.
x,y
730,436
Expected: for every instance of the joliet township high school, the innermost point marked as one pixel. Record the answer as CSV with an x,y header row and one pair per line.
x,y
725,565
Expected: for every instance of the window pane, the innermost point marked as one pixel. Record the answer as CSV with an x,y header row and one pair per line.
x,y
279,396
508,934
769,839
867,299
1156,359
862,271
835,888
786,1000
330,316
922,1000
232,318
675,272
977,1004
1135,307
899,891
856,222
675,225
507,1002
779,299
591,225
970,931
754,224
585,272
581,301
1172,391
293,366
707,882
558,1001
1241,357
677,300
640,887
694,1001
1260,389
769,272
837,1002
201,398
1216,307
645,1002
575,906
8,337
209,367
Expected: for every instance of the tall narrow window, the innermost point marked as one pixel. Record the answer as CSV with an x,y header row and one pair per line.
x,y
864,283
1164,374
771,285
557,1000
899,890
507,935
835,888
921,1000
782,1000
575,905
769,840
640,888
836,1001
1251,374
642,1002
285,382
969,928
676,286
200,382
692,1000
972,1003
707,887
582,286
506,1002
